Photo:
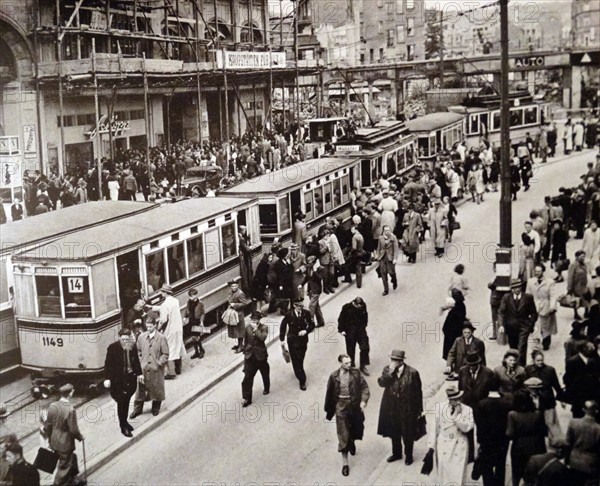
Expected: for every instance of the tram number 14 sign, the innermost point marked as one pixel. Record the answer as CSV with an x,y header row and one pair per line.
x,y
532,61
75,285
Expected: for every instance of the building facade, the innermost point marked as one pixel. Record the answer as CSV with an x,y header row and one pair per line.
x,y
585,27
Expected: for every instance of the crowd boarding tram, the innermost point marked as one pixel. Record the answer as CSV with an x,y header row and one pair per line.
x,y
319,188
482,118
384,149
69,301
34,231
436,132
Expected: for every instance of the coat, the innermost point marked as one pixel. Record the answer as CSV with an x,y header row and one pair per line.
x,y
527,431
291,325
352,319
550,384
476,389
577,278
583,438
116,372
491,419
452,327
591,246
513,318
436,229
254,342
172,327
61,428
359,392
299,233
582,382
448,438
401,404
388,208
238,302
23,474
544,296
460,349
413,225
509,384
154,354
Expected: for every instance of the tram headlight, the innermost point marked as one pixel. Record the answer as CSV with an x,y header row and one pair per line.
x,y
47,391
36,392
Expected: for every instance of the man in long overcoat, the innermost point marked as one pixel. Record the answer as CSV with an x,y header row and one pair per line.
x,y
401,405
122,368
352,324
347,395
462,346
544,295
255,357
437,215
582,378
171,325
517,316
413,225
388,253
153,352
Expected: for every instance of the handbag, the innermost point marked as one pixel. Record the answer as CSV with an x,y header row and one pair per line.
x,y
46,460
568,300
200,329
455,225
286,355
230,317
421,430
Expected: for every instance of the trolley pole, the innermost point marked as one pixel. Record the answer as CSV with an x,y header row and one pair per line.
x,y
503,252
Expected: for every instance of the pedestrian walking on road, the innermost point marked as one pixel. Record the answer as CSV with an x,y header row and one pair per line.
x,y
544,296
413,225
549,469
583,439
448,439
60,428
582,378
517,316
352,324
463,345
296,326
255,357
388,252
194,313
455,319
238,302
577,280
314,288
171,325
401,406
437,219
153,352
20,473
122,368
346,397
510,375
475,380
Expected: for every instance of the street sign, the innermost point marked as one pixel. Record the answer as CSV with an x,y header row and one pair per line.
x,y
585,58
530,61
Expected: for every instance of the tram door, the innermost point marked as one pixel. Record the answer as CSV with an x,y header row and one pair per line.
x,y
296,202
128,268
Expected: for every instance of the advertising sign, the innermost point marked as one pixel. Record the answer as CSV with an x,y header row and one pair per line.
x,y
250,60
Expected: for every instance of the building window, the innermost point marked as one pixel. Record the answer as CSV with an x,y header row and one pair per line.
x,y
410,4
380,27
390,38
399,6
410,52
400,34
381,53
380,3
410,27
362,57
371,55
390,8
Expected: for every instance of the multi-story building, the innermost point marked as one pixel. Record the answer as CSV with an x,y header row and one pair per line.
x,y
585,18
81,79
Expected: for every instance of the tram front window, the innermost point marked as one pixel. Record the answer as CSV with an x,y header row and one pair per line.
x,y
76,294
48,292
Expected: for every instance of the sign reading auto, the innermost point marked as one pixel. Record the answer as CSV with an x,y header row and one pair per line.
x,y
530,61
251,60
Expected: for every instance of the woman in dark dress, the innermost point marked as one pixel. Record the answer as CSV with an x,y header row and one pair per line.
x,y
453,324
559,248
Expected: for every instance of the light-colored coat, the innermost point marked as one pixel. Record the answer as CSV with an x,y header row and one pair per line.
x,y
448,438
170,316
591,246
154,354
413,225
436,230
388,208
544,296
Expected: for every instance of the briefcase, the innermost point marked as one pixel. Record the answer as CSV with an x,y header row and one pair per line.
x,y
46,460
421,427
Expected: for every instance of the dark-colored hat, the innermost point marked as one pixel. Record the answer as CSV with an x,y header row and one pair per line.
x,y
473,358
467,325
256,315
234,281
453,393
282,253
167,289
298,301
533,383
512,352
516,282
398,354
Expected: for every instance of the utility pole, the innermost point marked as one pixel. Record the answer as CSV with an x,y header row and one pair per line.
x,y
441,49
296,13
503,252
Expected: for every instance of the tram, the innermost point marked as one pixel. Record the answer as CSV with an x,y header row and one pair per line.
x,y
35,231
386,149
482,118
70,293
436,132
319,188
323,130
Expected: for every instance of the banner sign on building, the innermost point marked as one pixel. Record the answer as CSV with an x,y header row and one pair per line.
x,y
251,60
117,127
530,61
29,141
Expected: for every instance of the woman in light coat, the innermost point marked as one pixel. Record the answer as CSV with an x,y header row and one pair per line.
x,y
448,438
113,188
543,291
388,207
437,219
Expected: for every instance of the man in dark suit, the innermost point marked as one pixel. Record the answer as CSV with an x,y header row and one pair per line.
x,y
16,210
352,324
582,378
583,438
462,346
255,357
388,252
21,473
476,380
517,316
347,395
59,426
122,368
296,326
284,271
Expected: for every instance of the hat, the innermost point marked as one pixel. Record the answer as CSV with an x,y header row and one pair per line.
x,y
512,352
453,393
167,289
282,253
436,200
473,358
294,246
256,315
298,302
397,354
467,325
533,383
234,281
516,282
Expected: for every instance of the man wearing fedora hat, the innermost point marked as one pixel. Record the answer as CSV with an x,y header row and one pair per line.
x,y
296,326
467,343
517,316
401,405
255,357
388,252
171,325
448,439
475,380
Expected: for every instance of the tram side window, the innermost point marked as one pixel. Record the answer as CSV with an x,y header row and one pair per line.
x,y
308,205
496,120
195,250
267,214
48,292
319,208
176,263
345,189
401,160
516,118
530,115
328,199
76,295
474,124
155,271
391,165
284,213
3,283
228,241
337,193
